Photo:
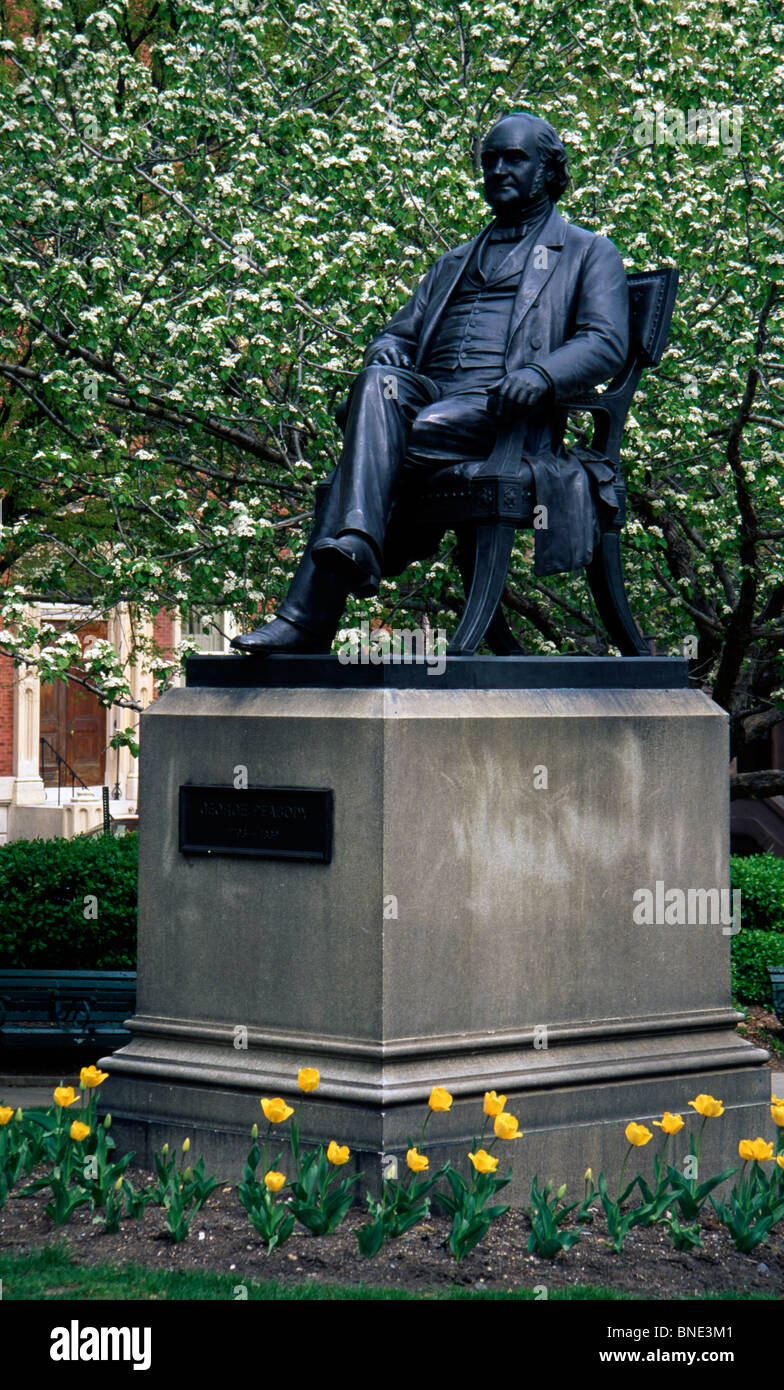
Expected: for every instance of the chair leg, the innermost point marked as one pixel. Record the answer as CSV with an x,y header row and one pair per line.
x,y
605,580
466,554
500,638
493,548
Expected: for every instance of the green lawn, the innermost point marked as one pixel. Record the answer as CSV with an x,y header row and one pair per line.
x,y
52,1274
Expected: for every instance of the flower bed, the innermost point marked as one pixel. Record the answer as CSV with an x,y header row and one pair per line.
x,y
62,1160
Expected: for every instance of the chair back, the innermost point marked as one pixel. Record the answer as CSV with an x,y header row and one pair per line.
x,y
651,302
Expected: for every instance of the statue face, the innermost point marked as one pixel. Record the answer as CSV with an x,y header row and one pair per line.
x,y
512,167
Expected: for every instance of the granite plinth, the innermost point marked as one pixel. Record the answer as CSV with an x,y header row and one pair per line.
x,y
475,927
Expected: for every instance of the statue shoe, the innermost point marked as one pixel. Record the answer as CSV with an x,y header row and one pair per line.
x,y
280,635
352,558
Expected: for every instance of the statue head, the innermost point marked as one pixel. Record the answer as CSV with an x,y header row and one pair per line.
x,y
523,161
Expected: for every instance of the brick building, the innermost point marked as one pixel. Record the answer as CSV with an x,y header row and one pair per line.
x,y
55,753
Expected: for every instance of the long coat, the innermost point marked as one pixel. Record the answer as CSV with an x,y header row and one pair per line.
x,y
570,318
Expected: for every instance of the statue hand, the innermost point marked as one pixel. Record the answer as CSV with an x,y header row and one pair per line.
x,y
392,357
517,391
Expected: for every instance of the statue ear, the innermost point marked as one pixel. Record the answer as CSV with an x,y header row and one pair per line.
x,y
540,178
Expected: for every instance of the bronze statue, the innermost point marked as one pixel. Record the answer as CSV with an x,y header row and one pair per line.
x,y
533,310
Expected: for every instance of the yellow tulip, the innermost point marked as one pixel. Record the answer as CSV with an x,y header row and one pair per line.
x,y
777,1100
337,1155
65,1095
6,1113
276,1111
274,1181
483,1161
588,1175
780,1160
777,1114
506,1127
670,1123
91,1076
308,1078
707,1106
186,1143
493,1104
637,1134
416,1161
756,1150
79,1131
439,1099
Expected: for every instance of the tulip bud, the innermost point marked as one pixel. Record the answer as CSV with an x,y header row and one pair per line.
x,y
118,1184
548,1188
165,1148
561,1193
588,1175
18,1115
188,1174
254,1134
107,1124
186,1143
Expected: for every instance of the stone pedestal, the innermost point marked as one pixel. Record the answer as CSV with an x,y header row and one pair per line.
x,y
475,928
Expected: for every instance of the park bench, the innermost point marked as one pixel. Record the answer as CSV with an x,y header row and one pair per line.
x,y
776,973
50,1008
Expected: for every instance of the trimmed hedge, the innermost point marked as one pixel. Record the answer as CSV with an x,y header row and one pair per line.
x,y
69,904
760,878
752,952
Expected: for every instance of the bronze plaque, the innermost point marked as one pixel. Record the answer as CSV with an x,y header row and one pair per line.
x,y
261,822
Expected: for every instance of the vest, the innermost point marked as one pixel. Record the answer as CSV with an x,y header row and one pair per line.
x,y
470,340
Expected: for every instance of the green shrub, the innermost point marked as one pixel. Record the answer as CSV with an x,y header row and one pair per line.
x,y
752,953
760,878
69,904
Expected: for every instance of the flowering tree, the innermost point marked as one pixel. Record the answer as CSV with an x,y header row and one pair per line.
x,y
209,208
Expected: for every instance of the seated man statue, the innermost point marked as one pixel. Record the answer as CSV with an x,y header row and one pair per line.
x,y
532,311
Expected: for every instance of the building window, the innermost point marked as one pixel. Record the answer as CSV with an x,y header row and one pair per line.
x,y
212,631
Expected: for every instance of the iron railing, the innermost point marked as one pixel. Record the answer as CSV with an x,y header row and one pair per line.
x,y
62,763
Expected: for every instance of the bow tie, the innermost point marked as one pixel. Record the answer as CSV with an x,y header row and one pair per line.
x,y
514,232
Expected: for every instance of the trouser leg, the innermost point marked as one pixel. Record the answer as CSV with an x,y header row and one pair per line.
x,y
452,428
316,599
384,402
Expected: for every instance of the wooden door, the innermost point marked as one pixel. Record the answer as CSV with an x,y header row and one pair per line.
x,y
74,723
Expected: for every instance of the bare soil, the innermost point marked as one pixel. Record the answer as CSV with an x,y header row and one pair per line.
x,y
763,1028
222,1240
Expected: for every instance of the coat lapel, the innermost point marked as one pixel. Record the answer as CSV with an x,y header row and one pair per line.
x,y
539,269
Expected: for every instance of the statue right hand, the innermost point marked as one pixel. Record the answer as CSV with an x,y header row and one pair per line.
x,y
391,357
